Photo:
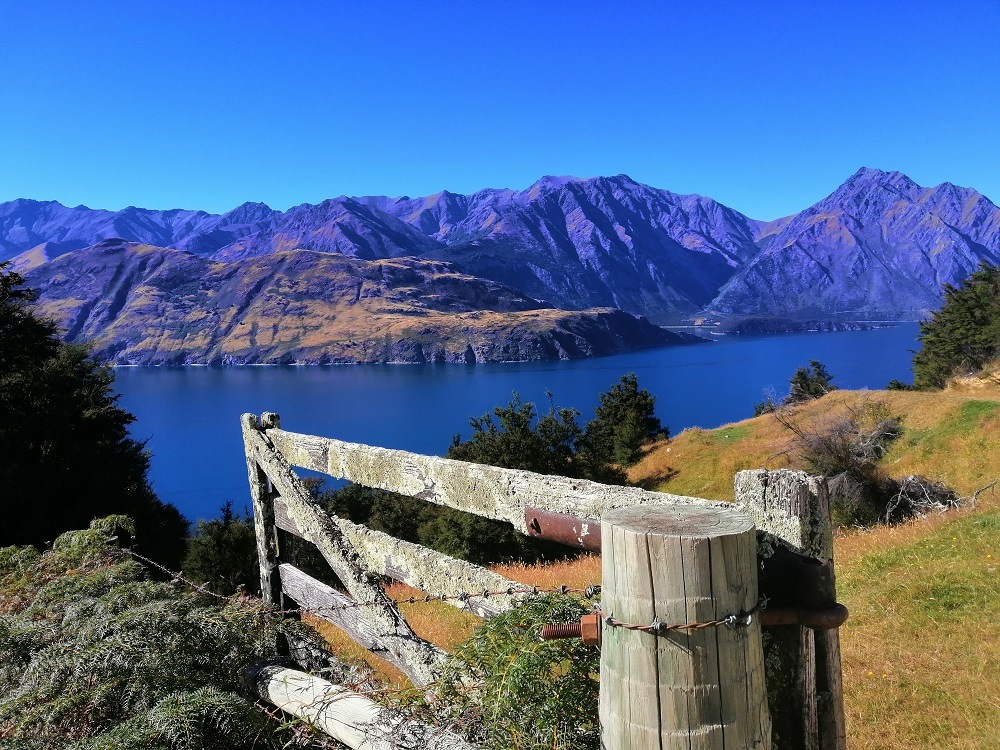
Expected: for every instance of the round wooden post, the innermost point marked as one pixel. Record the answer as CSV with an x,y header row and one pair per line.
x,y
700,688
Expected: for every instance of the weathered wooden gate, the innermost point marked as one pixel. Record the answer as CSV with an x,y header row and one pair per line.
x,y
792,565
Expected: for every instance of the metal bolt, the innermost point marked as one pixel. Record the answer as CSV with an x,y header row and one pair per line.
x,y
588,629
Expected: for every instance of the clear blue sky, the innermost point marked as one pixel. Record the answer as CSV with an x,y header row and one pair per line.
x,y
766,106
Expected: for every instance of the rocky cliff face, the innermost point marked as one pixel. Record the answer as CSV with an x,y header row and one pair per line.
x,y
879,246
139,304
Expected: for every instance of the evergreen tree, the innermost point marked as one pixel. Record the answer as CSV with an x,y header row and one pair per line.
x,y
964,335
519,439
66,453
810,382
223,554
624,423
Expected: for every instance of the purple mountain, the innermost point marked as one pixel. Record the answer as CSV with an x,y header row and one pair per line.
x,y
879,246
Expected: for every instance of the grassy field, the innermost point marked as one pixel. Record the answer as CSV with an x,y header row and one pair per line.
x,y
922,647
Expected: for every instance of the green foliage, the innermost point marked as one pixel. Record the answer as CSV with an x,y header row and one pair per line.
x,y
97,656
223,554
809,382
462,535
964,335
535,695
624,423
520,439
766,406
67,455
898,385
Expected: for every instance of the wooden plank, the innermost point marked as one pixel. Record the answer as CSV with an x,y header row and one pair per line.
x,y
348,717
334,607
487,491
832,727
703,674
422,568
420,660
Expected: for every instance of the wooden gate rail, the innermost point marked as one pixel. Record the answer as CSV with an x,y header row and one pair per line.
x,y
789,509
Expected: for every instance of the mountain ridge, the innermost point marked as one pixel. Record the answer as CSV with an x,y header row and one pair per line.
x,y
878,246
138,304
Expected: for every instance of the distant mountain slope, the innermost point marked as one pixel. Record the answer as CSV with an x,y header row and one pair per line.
x,y
879,246
602,241
139,304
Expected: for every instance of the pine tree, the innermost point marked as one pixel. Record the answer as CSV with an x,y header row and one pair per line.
x,y
809,383
962,336
223,554
625,421
67,454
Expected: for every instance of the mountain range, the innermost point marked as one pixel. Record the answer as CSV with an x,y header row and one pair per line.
x,y
879,247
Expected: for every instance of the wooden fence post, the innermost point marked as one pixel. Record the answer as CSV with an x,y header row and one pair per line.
x,y
804,684
699,688
263,513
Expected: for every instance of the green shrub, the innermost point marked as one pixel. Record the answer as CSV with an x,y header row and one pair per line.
x,y
534,694
962,336
223,554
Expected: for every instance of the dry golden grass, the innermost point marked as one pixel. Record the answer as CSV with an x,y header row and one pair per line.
x,y
577,573
953,436
446,626
922,647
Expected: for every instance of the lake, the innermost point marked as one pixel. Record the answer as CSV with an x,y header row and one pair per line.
x,y
190,415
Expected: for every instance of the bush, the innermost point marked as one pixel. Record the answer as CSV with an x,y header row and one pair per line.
x,y
847,450
532,694
520,439
806,384
223,554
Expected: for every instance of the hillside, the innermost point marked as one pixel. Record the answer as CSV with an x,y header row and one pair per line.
x,y
952,436
139,304
879,247
920,647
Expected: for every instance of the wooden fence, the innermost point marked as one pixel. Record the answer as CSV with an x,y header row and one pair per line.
x,y
771,679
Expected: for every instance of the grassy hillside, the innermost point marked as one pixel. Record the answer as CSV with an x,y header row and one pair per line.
x,y
952,436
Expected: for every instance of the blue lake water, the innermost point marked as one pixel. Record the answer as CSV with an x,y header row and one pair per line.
x,y
190,415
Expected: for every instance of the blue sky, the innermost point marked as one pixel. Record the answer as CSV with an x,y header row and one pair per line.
x,y
766,106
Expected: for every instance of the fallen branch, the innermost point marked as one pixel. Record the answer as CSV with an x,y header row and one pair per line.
x,y
975,495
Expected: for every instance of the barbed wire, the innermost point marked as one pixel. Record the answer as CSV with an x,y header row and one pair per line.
x,y
741,619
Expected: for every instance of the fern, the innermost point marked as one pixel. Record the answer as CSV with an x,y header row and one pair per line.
x,y
97,656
